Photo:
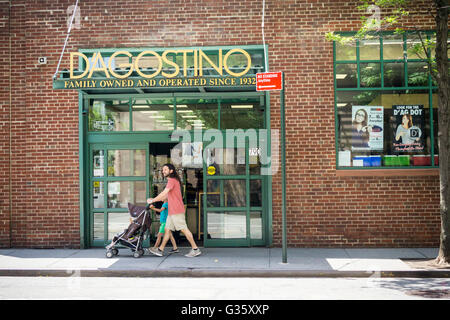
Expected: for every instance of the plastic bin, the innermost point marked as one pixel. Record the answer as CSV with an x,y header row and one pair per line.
x,y
424,160
403,160
390,160
375,161
421,160
393,160
361,161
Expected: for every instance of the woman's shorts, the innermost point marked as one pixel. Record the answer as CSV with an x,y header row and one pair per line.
x,y
176,222
162,227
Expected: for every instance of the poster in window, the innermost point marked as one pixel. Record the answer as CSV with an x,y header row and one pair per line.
x,y
408,128
367,128
192,155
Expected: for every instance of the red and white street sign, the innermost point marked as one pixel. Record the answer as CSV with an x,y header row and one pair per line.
x,y
269,81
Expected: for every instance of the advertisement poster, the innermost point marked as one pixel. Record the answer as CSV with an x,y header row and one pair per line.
x,y
408,125
367,128
192,155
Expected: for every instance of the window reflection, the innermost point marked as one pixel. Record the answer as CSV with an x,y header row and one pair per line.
x,y
242,114
345,52
394,74
346,75
126,163
227,225
369,49
197,114
152,115
122,192
383,112
109,115
392,47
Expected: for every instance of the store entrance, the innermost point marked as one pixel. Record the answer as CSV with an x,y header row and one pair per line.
x,y
192,186
217,145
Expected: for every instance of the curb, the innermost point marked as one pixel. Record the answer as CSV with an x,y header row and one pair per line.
x,y
202,273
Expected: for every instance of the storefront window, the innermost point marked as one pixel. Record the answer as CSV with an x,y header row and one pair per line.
x,y
414,46
392,47
241,114
385,119
109,115
255,193
122,192
346,75
345,52
126,163
99,226
383,128
369,49
227,225
197,114
370,75
98,196
152,115
417,74
394,74
235,189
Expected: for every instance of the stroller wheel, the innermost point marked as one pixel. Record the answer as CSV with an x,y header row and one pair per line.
x,y
115,251
138,253
109,254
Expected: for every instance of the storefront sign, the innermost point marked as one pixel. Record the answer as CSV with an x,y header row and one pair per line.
x,y
249,80
171,68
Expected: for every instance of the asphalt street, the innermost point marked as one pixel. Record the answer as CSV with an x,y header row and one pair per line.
x,y
195,289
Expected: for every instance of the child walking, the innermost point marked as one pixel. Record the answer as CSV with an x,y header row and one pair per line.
x,y
162,219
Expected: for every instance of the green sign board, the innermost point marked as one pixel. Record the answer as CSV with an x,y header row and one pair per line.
x,y
164,68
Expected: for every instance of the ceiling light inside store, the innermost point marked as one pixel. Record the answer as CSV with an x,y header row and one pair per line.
x,y
178,106
341,76
184,111
243,106
189,116
156,117
342,104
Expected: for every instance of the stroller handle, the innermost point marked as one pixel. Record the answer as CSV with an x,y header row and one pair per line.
x,y
147,207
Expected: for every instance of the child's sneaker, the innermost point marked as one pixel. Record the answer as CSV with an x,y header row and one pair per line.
x,y
174,251
193,253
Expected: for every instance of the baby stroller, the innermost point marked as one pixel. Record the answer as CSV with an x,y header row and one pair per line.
x,y
133,236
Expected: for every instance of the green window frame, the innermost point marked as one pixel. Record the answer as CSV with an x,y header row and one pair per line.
x,y
175,106
370,73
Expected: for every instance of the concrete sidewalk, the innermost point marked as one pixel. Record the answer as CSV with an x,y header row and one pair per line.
x,y
223,262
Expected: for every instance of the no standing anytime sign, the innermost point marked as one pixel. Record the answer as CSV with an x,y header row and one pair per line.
x,y
269,81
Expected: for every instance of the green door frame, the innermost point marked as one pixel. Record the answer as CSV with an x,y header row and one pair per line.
x,y
247,177
105,179
132,139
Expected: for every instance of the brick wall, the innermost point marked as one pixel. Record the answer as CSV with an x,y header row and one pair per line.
x,y
323,209
4,124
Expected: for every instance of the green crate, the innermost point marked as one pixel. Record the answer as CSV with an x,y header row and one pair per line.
x,y
403,160
392,160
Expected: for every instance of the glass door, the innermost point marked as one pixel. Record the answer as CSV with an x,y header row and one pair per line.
x,y
118,175
232,199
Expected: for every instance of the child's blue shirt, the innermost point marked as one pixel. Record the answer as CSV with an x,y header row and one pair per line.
x,y
164,213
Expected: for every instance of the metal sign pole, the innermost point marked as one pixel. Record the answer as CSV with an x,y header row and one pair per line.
x,y
283,170
266,81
